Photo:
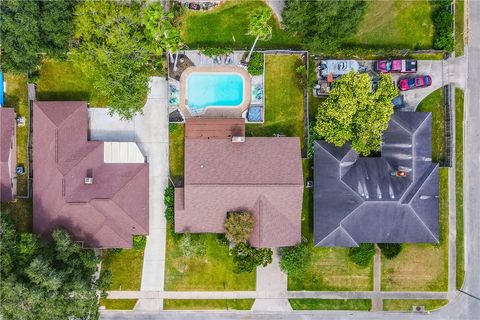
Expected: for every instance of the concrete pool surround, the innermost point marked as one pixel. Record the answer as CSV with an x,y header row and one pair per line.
x,y
216,111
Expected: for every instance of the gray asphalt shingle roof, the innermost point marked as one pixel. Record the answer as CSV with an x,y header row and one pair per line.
x,y
358,200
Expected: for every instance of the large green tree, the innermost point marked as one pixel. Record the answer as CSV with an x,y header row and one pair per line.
x,y
47,280
352,112
30,28
259,27
246,258
113,51
321,24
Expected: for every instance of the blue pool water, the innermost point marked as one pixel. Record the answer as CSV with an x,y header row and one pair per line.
x,y
213,89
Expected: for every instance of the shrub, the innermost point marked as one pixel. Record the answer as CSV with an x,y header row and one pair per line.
x,y
390,250
443,22
246,258
363,254
255,65
295,260
139,242
213,52
238,226
169,200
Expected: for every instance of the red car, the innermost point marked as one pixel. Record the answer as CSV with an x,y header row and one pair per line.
x,y
396,66
414,82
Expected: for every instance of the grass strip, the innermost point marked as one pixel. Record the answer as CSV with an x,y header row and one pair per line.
x,y
331,304
206,304
459,106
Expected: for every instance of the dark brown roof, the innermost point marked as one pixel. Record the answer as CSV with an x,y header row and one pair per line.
x,y
8,154
260,175
201,128
104,214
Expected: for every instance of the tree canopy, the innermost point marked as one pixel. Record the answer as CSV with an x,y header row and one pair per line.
x,y
321,24
30,28
352,112
295,260
238,226
112,50
47,281
258,25
246,258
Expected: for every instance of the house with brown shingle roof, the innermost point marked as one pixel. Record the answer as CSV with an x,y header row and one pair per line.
x,y
226,173
8,154
96,190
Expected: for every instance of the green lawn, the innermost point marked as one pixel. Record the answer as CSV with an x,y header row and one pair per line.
x,y
176,145
395,24
330,268
118,304
459,27
407,305
126,268
204,304
210,270
434,103
421,267
459,183
62,80
227,25
21,213
16,96
284,110
331,304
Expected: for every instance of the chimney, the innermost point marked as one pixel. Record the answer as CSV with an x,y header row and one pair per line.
x,y
88,180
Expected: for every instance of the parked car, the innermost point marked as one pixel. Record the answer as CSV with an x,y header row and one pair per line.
x,y
396,66
337,67
414,82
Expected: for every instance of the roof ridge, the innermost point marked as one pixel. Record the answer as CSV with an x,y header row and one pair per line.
x,y
46,115
398,122
417,185
244,185
423,223
108,216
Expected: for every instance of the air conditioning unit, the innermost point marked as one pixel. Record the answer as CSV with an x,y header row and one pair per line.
x,y
238,139
88,180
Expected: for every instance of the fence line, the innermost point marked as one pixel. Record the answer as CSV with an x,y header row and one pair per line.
x,y
448,126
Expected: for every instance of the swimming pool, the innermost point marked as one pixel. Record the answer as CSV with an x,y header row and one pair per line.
x,y
214,89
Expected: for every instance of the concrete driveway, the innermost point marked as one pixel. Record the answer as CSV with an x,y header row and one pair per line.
x,y
103,127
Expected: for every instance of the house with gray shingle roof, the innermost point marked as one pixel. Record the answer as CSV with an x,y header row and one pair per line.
x,y
393,198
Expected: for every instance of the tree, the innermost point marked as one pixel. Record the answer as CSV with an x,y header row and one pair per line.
x,y
43,280
169,200
322,24
246,258
363,254
390,250
352,112
295,260
30,28
259,27
238,226
112,49
20,35
161,32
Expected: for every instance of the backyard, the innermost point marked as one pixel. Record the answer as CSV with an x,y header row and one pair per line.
x,y
434,103
329,268
395,24
126,268
226,27
16,96
62,80
459,184
421,267
284,109
206,267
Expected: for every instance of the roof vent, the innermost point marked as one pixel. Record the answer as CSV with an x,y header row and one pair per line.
x,y
238,139
88,180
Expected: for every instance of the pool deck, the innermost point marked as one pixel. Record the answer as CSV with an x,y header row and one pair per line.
x,y
217,112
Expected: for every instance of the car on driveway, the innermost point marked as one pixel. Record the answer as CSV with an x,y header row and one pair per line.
x,y
396,66
414,82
